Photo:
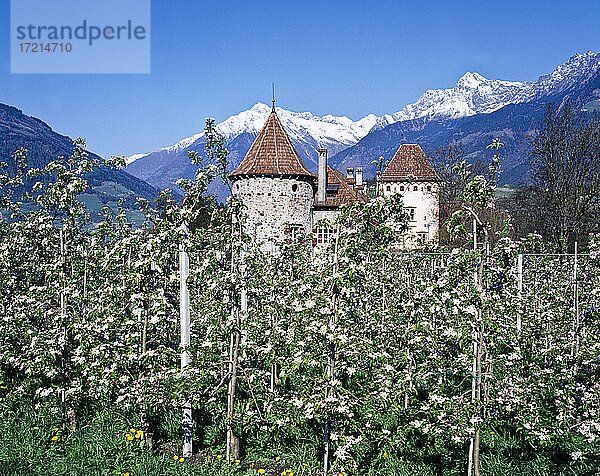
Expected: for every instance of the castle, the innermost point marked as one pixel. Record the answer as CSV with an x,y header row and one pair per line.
x,y
283,199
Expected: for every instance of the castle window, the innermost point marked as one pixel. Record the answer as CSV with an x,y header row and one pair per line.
x,y
402,188
295,187
429,188
410,213
293,232
388,188
324,235
415,188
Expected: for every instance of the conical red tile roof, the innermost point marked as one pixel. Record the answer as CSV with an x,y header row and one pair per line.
x,y
272,153
409,163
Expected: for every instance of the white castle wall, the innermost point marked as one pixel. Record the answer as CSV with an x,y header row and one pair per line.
x,y
274,206
423,198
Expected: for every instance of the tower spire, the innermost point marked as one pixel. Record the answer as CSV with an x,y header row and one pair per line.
x,y
273,100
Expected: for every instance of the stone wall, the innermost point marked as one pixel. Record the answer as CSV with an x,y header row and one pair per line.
x,y
275,208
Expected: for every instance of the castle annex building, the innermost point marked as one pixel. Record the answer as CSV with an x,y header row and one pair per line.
x,y
281,197
410,174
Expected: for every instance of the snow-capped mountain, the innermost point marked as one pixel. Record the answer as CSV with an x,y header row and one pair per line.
x,y
334,132
473,95
579,69
469,115
307,131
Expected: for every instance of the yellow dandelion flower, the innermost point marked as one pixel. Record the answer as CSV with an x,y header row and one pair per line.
x,y
385,454
277,458
129,437
181,460
491,432
56,429
133,430
126,474
219,456
175,457
237,461
54,438
36,428
261,471
139,434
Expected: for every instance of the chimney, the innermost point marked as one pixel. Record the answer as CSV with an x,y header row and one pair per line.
x,y
359,178
349,173
322,176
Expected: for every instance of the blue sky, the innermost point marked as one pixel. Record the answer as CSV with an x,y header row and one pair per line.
x,y
217,58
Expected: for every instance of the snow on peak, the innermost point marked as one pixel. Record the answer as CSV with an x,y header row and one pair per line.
x,y
334,132
472,94
577,69
132,158
475,94
470,80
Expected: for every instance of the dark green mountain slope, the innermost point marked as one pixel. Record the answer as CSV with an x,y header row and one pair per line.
x,y
107,185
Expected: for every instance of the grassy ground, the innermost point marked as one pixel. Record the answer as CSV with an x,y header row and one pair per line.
x,y
36,445
109,444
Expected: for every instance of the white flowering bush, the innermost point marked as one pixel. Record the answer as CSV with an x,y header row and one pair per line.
x,y
357,349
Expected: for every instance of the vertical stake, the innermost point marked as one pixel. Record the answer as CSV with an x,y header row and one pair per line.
x,y
520,289
184,316
63,318
576,304
331,362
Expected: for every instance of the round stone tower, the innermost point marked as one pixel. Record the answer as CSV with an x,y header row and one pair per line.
x,y
275,187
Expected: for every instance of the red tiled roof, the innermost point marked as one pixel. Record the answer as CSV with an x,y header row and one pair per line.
x,y
409,163
272,153
344,193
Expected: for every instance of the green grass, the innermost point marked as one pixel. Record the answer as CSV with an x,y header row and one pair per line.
x,y
100,447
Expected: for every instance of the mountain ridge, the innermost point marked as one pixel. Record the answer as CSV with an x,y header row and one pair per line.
x,y
472,95
107,185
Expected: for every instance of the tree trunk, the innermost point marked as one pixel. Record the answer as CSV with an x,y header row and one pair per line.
x,y
233,441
